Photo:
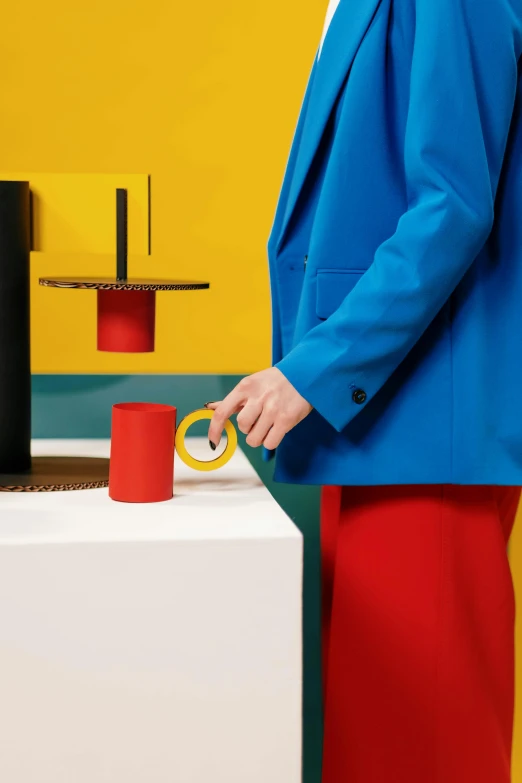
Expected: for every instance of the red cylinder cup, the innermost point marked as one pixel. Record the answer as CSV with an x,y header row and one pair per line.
x,y
126,321
142,452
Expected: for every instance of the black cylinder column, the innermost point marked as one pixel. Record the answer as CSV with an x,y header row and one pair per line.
x,y
15,351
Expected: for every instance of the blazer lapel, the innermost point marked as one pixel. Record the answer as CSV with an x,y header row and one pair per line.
x,y
345,34
290,166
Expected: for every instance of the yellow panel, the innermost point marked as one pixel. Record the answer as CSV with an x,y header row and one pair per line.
x,y
77,212
515,553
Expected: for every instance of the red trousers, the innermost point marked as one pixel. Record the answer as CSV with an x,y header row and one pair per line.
x,y
418,634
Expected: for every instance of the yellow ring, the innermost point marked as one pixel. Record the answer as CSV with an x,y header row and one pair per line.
x,y
198,464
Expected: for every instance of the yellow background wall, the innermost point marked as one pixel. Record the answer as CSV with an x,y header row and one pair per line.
x,y
516,565
203,97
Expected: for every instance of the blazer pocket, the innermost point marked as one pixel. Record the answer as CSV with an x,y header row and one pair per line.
x,y
333,285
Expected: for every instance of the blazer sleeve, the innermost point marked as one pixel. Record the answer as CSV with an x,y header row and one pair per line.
x,y
462,88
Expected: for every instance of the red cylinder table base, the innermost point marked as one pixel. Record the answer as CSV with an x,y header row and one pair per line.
x,y
126,321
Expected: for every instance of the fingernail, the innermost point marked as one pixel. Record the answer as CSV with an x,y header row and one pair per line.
x,y
209,403
212,445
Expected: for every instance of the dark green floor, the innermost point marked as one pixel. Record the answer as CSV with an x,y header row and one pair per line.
x,y
79,406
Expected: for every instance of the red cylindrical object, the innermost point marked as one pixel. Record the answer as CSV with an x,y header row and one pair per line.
x,y
126,321
418,633
142,452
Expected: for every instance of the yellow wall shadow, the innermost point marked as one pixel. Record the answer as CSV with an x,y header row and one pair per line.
x,y
76,213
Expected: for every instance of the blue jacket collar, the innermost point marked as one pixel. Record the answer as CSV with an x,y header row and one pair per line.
x,y
345,34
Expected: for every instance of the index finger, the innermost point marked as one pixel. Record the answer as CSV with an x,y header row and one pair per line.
x,y
232,403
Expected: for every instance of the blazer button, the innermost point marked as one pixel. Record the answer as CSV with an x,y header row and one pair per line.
x,y
359,396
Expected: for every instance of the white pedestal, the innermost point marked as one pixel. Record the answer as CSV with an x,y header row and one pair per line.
x,y
150,643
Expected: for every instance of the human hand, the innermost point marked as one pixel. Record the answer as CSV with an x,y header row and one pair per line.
x,y
268,407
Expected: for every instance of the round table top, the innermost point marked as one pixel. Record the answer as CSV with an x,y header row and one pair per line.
x,y
57,474
132,284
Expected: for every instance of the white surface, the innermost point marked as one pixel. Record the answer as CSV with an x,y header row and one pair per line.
x,y
227,504
150,643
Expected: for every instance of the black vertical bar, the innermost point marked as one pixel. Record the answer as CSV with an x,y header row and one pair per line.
x,y
150,214
121,234
15,348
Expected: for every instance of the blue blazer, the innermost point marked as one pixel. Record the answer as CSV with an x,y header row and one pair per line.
x,y
396,249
